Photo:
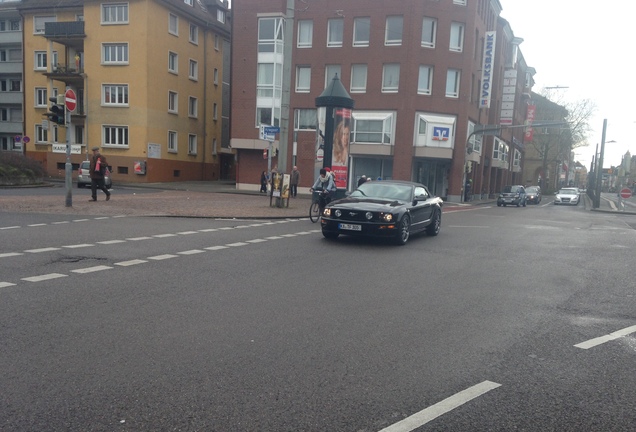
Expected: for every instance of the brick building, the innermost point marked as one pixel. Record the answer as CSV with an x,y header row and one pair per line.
x,y
422,74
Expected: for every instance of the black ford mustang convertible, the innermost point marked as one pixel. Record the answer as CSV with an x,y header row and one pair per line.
x,y
387,208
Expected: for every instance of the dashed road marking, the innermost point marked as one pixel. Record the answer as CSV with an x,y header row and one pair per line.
x,y
10,254
130,262
164,235
77,246
213,248
187,232
91,269
49,249
6,284
44,277
610,337
10,227
236,244
162,257
191,252
109,242
138,238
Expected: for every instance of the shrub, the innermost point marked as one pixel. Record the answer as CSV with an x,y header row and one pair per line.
x,y
15,164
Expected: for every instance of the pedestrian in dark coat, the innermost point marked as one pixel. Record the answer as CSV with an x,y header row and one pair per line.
x,y
264,182
97,178
293,181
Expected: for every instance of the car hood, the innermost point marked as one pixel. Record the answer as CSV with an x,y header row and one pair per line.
x,y
567,195
368,204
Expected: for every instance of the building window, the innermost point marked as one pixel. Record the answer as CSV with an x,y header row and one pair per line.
x,y
216,76
220,16
115,94
116,136
41,100
331,71
305,119
189,2
500,150
390,78
39,21
305,33
393,30
358,78
115,13
457,37
217,42
41,134
335,28
115,53
452,83
173,24
10,25
172,141
173,102
192,144
193,107
40,60
475,141
517,158
303,79
173,62
268,116
429,31
425,80
372,128
215,111
194,34
361,31
193,72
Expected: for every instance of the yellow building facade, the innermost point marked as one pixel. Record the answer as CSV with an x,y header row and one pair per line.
x,y
148,79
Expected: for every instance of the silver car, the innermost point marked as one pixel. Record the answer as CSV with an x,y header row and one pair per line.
x,y
567,196
84,177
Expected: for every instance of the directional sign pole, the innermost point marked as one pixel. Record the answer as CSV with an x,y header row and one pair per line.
x,y
68,167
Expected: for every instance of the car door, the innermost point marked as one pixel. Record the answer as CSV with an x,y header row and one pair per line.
x,y
422,211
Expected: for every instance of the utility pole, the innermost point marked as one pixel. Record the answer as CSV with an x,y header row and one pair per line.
x,y
599,168
288,45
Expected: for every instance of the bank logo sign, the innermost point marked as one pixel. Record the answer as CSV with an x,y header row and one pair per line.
x,y
486,70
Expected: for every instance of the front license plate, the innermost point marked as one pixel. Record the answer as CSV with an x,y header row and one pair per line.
x,y
350,227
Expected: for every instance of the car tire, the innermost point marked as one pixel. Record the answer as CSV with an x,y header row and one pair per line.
x,y
498,204
80,185
435,225
330,235
404,231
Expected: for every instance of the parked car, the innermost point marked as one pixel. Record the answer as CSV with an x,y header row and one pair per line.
x,y
84,178
567,196
513,195
533,194
387,208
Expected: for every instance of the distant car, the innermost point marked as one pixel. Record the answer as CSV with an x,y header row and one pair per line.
x,y
387,208
533,194
84,178
512,195
567,196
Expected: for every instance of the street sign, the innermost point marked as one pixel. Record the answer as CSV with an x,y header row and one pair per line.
x,y
271,130
626,193
70,100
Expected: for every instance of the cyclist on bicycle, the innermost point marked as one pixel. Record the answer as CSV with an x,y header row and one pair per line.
x,y
325,184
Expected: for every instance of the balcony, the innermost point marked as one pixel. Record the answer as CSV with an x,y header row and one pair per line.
x,y
68,33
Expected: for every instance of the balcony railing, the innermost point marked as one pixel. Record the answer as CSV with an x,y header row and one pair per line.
x,y
64,29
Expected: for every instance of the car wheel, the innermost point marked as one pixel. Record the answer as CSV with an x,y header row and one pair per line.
x,y
330,235
504,205
80,185
404,230
435,225
498,204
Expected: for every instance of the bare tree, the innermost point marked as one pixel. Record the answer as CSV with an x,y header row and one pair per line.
x,y
554,145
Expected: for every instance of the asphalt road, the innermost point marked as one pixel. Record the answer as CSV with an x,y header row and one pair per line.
x,y
511,319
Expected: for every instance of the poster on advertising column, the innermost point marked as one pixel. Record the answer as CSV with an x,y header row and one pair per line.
x,y
340,152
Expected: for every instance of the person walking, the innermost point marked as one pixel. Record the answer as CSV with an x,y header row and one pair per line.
x,y
96,171
293,181
263,182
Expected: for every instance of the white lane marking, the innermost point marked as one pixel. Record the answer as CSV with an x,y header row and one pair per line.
x,y
188,232
80,220
139,238
303,232
91,269
209,230
288,235
426,415
602,339
101,218
236,244
76,246
49,249
164,235
241,226
6,284
162,257
109,242
10,227
213,248
119,216
130,262
274,238
60,222
256,241
225,228
191,252
37,225
44,277
10,254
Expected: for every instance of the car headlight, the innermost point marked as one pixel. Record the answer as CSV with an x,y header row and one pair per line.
x,y
500,195
338,213
326,212
387,217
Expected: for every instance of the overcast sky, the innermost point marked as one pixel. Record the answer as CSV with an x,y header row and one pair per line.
x,y
587,47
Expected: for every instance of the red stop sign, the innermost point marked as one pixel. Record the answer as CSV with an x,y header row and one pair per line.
x,y
626,193
70,100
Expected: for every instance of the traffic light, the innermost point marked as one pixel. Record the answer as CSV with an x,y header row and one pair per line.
x,y
57,113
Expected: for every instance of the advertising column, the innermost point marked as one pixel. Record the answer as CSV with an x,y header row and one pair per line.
x,y
340,152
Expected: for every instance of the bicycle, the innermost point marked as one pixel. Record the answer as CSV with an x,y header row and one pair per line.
x,y
318,204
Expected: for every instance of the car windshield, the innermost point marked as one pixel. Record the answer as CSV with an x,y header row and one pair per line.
x,y
532,189
568,192
511,189
383,191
